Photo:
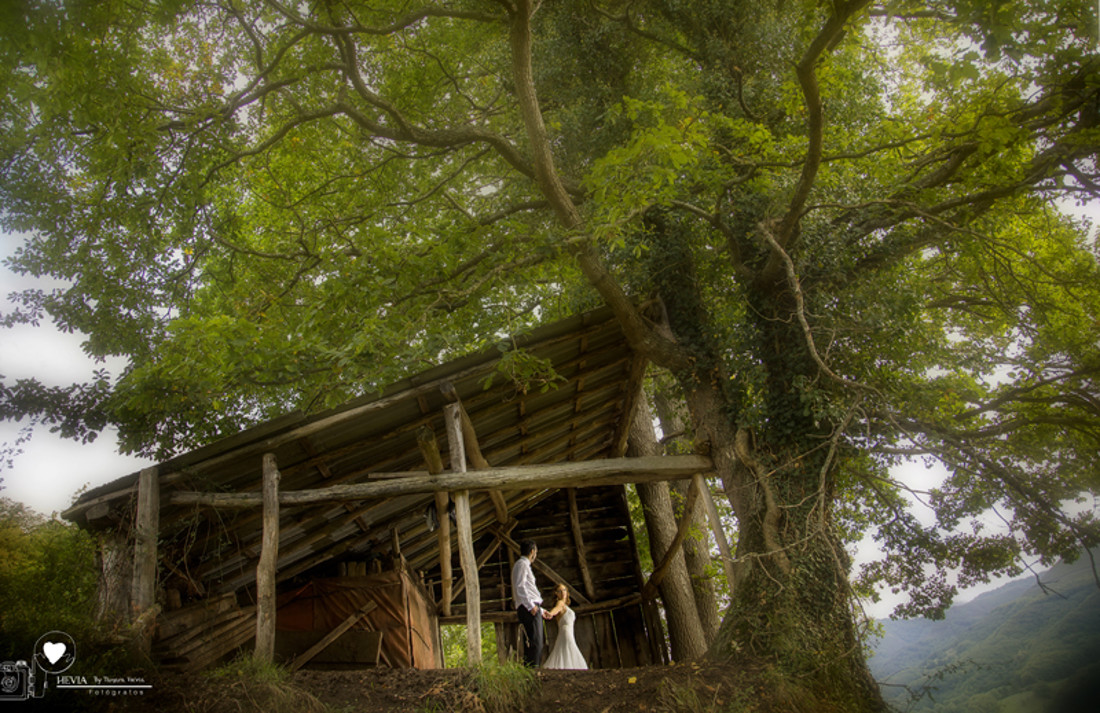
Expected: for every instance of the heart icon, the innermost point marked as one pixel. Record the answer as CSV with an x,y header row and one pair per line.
x,y
53,651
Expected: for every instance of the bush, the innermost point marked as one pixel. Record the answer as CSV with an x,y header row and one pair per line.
x,y
48,582
504,687
246,684
48,579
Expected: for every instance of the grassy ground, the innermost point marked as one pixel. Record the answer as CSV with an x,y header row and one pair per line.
x,y
695,688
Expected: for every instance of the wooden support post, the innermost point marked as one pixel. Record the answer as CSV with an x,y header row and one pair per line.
x,y
502,642
442,503
265,570
470,575
578,541
143,594
395,542
473,449
428,446
465,538
716,528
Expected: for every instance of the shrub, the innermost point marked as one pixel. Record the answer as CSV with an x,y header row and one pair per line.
x,y
245,684
504,687
48,579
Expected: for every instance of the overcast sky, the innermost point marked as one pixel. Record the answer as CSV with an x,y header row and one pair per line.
x,y
51,469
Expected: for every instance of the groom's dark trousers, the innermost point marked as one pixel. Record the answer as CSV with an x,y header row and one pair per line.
x,y
532,636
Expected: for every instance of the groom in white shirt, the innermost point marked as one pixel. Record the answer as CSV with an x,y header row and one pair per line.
x,y
528,603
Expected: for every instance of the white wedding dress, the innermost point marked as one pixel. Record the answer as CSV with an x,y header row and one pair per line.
x,y
565,653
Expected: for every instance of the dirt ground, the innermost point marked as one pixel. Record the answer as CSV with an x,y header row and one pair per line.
x,y
658,689
604,691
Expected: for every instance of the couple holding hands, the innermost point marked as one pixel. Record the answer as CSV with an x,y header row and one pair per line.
x,y
531,614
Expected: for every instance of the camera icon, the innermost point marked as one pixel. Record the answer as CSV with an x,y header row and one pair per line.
x,y
15,681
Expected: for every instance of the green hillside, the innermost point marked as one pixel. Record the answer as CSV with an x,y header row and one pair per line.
x,y
1017,649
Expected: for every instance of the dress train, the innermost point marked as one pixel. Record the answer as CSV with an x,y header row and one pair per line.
x,y
566,655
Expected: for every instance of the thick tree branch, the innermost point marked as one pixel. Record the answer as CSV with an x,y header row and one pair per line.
x,y
1020,393
800,312
406,21
806,71
643,336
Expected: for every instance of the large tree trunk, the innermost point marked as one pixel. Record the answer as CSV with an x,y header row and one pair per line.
x,y
696,551
685,631
697,559
791,602
116,573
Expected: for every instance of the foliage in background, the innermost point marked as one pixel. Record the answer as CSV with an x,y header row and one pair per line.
x,y
48,579
48,582
454,644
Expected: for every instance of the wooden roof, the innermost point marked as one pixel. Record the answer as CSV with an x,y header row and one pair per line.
x,y
582,415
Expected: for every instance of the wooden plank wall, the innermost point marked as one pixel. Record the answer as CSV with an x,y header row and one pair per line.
x,y
198,636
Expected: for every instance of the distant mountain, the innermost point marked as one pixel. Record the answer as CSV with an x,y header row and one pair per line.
x,y
1017,649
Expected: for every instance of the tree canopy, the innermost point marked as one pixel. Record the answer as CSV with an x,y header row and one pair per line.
x,y
851,214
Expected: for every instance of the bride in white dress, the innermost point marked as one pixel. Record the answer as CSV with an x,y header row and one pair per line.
x,y
565,653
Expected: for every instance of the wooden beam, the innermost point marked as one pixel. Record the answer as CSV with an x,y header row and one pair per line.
x,y
304,658
180,470
271,443
473,449
470,576
578,541
452,412
265,569
143,594
425,438
99,511
611,471
716,528
317,460
650,588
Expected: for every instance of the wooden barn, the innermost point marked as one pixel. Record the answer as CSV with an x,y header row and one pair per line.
x,y
350,537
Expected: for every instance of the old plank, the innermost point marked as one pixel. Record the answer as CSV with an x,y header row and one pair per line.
x,y
610,471
265,569
146,532
304,658
456,445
